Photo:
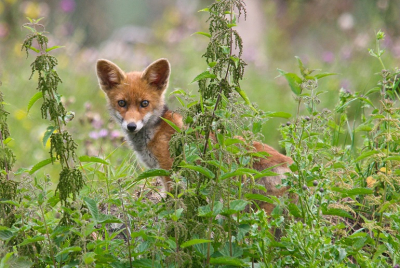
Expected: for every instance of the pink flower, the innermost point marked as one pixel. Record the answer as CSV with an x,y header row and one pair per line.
x,y
68,6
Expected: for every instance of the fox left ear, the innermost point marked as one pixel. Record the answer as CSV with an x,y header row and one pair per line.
x,y
157,73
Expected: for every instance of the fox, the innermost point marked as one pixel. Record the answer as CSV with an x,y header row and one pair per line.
x,y
136,101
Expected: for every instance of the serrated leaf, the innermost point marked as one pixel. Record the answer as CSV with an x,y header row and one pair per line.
x,y
7,140
259,197
10,202
238,205
144,263
204,75
194,242
354,191
203,33
294,81
301,65
153,173
203,170
92,206
53,47
245,98
392,158
319,76
93,159
279,114
228,261
294,210
69,250
5,234
172,124
337,212
47,134
366,154
41,164
32,240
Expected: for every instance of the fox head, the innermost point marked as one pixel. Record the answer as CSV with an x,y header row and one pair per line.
x,y
135,99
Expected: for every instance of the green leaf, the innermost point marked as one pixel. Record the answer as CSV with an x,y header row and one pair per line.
x,y
366,154
238,205
373,90
7,140
41,164
32,240
5,234
204,75
259,197
47,134
301,65
245,98
228,261
278,114
34,99
336,212
294,81
294,210
203,33
89,257
154,173
205,171
392,158
92,206
69,250
54,47
144,263
194,242
319,76
172,124
93,159
29,28
354,191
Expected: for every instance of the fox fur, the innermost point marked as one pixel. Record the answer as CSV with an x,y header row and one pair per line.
x,y
136,102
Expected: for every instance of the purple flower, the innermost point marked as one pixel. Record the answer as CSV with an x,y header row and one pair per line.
x,y
68,6
103,133
94,135
115,134
328,57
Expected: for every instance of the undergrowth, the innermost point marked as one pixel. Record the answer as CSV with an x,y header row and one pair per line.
x,y
345,177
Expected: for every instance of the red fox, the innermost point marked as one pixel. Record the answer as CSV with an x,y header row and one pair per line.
x,y
136,101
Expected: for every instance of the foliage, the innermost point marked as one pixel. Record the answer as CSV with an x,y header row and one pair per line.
x,y
345,175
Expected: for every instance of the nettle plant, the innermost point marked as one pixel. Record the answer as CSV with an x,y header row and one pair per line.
x,y
346,175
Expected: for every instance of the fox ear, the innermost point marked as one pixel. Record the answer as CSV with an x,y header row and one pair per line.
x,y
109,74
157,73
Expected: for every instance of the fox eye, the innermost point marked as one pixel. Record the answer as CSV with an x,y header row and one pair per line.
x,y
122,103
144,103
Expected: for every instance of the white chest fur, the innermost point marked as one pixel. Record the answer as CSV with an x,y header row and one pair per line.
x,y
139,141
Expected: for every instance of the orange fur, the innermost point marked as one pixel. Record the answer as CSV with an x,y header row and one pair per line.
x,y
142,96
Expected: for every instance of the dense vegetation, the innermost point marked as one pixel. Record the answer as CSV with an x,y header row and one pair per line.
x,y
106,213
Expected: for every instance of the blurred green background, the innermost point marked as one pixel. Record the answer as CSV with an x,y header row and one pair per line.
x,y
329,35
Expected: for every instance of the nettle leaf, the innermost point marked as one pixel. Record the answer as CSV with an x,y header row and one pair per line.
x,y
53,47
47,134
203,170
259,197
28,241
366,154
172,124
319,76
204,75
69,250
336,212
154,173
354,191
228,261
294,81
203,33
93,159
194,242
245,98
278,114
41,164
34,99
92,206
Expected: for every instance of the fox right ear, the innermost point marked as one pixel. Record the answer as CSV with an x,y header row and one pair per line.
x,y
109,74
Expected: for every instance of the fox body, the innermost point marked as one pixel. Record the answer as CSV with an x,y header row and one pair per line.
x,y
136,101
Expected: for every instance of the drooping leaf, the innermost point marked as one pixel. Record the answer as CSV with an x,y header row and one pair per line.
x,y
194,242
203,170
93,159
203,33
53,47
204,75
153,173
366,154
47,134
172,124
319,76
41,164
294,81
228,261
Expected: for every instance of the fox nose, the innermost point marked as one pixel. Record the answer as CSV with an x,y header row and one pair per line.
x,y
131,126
